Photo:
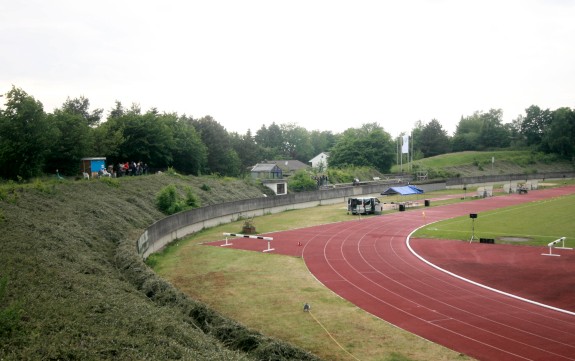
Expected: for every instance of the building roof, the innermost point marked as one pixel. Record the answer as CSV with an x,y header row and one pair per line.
x,y
320,155
289,165
264,167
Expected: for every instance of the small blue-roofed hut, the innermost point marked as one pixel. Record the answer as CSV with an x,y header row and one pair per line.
x,y
92,165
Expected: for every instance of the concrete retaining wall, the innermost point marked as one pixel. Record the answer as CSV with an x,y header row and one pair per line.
x,y
455,182
176,226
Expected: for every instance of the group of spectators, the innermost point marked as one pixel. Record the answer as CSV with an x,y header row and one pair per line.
x,y
130,169
321,180
124,169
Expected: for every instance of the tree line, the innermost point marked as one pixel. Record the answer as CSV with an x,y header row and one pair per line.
x,y
34,142
544,130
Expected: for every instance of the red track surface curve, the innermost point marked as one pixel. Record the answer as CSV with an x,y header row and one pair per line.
x,y
370,263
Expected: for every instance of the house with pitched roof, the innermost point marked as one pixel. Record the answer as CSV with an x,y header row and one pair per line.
x,y
289,167
271,176
320,161
266,171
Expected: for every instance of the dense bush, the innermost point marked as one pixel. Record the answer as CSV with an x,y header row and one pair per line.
x,y
347,174
192,201
301,181
169,201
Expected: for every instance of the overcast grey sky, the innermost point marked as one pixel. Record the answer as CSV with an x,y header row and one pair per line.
x,y
326,65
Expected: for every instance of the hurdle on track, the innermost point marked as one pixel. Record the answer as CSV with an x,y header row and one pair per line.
x,y
269,239
563,244
552,244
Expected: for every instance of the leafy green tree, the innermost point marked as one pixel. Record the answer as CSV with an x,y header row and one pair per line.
x,y
145,137
560,137
76,137
296,143
81,107
117,111
514,128
107,139
189,153
368,146
534,125
416,140
321,141
481,131
493,132
233,163
466,136
26,136
433,139
466,141
269,137
217,141
247,150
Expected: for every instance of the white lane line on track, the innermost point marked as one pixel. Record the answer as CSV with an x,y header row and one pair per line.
x,y
419,305
407,242
474,314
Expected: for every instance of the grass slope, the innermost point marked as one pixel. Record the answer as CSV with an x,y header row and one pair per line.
x,y
473,163
80,291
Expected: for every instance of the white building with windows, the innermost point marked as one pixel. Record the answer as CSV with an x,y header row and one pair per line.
x,y
320,161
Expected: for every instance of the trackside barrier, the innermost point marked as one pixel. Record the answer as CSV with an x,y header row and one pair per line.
x,y
552,244
269,239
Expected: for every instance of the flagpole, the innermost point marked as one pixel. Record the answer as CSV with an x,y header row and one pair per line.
x,y
411,168
397,151
401,156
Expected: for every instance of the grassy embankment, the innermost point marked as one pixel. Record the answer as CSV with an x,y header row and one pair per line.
x,y
73,288
473,164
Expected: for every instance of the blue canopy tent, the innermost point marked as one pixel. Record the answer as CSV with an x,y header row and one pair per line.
x,y
404,191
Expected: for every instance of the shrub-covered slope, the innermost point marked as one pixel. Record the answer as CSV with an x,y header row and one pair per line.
x,y
76,289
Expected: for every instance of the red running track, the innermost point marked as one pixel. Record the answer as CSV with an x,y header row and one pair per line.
x,y
369,263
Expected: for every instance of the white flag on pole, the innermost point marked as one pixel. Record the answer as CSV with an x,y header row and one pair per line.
x,y
405,146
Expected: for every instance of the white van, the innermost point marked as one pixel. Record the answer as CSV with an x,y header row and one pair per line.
x,y
368,205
